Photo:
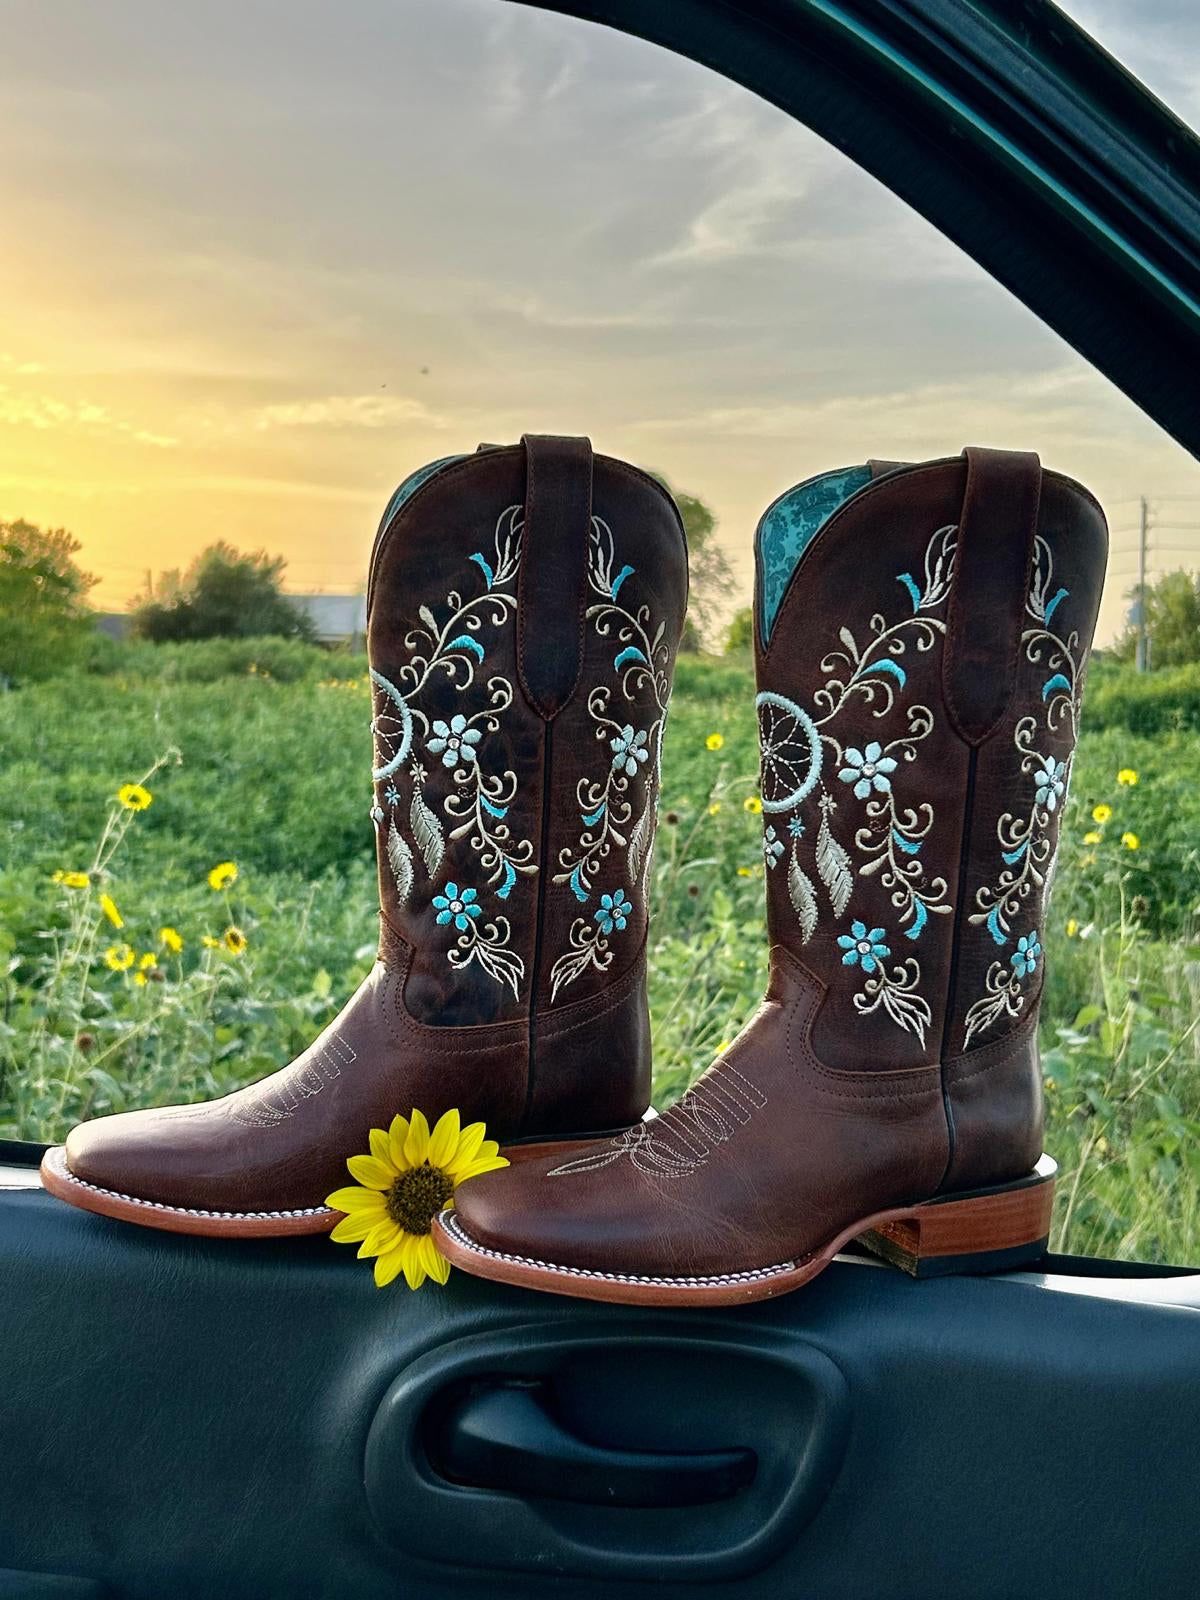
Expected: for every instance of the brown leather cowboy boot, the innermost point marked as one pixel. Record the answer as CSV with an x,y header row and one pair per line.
x,y
922,639
524,606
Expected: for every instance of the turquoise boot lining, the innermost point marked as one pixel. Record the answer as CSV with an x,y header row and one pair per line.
x,y
790,526
412,483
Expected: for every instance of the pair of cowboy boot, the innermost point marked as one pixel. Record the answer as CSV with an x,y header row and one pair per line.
x,y
921,641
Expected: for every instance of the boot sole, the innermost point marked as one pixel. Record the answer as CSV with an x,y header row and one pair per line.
x,y
984,1230
58,1180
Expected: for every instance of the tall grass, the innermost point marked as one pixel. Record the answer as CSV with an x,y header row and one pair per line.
x,y
269,769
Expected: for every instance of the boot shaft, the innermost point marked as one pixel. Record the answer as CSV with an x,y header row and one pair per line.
x,y
921,646
524,609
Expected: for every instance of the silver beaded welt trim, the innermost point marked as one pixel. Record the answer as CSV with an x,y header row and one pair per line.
x,y
453,1227
58,1162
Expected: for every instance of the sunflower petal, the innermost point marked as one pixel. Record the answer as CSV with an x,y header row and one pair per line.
x,y
351,1229
485,1150
444,1139
469,1141
380,1239
381,1147
353,1198
416,1146
410,1256
388,1266
372,1174
483,1164
433,1261
397,1134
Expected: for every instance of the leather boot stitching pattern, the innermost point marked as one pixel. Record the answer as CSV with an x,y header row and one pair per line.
x,y
267,1108
682,1140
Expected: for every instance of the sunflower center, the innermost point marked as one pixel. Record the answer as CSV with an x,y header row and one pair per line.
x,y
416,1197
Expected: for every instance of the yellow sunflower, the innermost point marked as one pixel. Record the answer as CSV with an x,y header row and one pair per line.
x,y
72,880
410,1175
1101,813
134,796
119,957
234,940
715,741
753,805
109,907
222,875
172,938
1127,778
1131,841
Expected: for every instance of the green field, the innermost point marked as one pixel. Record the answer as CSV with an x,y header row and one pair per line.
x,y
258,754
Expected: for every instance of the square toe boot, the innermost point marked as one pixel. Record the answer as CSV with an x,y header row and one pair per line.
x,y
921,640
524,607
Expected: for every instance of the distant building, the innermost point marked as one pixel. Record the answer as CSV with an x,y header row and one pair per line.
x,y
338,618
113,623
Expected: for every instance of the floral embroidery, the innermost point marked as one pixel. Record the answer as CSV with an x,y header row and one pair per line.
x,y
798,744
454,741
863,947
477,807
868,769
1003,993
1024,960
629,750
458,904
1028,840
614,911
617,811
1050,784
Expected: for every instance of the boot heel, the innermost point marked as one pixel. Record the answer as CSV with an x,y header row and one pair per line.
x,y
988,1230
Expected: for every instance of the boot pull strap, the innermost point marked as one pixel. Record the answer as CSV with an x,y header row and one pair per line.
x,y
552,588
993,565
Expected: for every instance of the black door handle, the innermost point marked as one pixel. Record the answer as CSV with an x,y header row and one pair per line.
x,y
504,1437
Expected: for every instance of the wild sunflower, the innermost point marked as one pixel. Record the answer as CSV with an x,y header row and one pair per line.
x,y
1102,813
1127,778
172,938
72,880
715,741
109,907
134,796
234,940
410,1175
222,875
753,805
119,957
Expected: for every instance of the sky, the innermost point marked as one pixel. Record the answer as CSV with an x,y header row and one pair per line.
x,y
262,258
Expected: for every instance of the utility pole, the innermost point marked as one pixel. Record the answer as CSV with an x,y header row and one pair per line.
x,y
1142,642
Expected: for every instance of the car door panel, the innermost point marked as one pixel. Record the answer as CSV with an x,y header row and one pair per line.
x,y
192,1417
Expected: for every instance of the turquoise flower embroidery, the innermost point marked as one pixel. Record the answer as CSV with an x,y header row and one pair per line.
x,y
863,948
795,827
1051,782
454,741
867,769
614,912
392,795
773,846
629,750
457,905
1025,957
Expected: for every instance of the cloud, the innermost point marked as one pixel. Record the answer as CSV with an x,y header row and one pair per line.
x,y
43,412
345,411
